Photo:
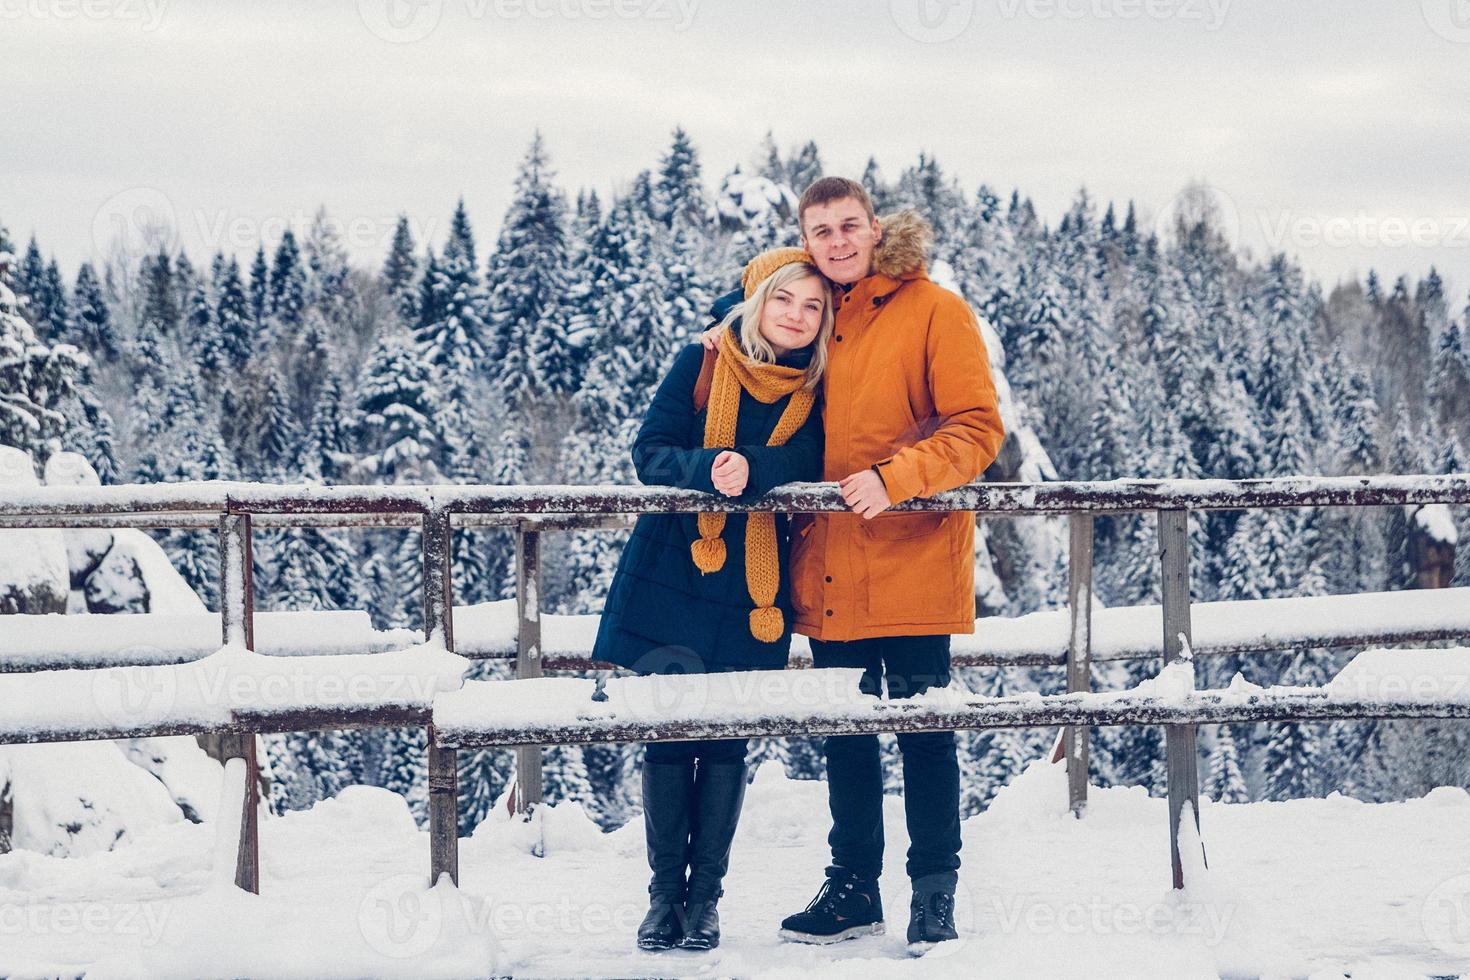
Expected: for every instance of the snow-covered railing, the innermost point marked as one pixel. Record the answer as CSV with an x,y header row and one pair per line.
x,y
573,711
20,505
487,631
235,507
58,642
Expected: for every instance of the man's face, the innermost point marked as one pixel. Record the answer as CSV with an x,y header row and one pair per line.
x,y
842,239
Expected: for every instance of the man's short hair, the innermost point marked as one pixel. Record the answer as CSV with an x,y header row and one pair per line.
x,y
824,190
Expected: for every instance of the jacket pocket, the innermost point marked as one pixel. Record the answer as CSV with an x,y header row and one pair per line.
x,y
913,572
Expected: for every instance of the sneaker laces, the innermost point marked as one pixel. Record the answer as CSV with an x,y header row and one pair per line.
x,y
942,904
829,896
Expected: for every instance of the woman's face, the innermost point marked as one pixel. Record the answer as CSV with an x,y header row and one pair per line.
x,y
792,315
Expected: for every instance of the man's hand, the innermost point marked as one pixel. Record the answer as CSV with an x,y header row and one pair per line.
x,y
711,337
865,493
730,473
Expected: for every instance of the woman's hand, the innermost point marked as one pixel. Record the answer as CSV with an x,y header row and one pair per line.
x,y
730,473
711,337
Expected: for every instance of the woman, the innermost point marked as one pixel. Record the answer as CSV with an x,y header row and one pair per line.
x,y
708,592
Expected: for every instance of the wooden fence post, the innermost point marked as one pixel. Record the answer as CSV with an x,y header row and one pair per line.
x,y
1079,654
1181,754
438,550
7,816
528,655
237,616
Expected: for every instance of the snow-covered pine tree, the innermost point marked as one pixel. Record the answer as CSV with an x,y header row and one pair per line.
x,y
95,332
28,279
328,453
1224,782
1292,759
233,314
160,301
400,272
680,195
260,295
396,422
804,167
528,283
206,342
989,758
53,309
35,379
287,288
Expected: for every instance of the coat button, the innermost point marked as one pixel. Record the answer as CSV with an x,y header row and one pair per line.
x,y
829,612
838,338
829,578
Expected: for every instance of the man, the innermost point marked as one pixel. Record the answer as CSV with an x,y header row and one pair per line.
x,y
909,410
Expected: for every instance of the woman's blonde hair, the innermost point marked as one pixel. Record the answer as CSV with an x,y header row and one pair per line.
x,y
749,315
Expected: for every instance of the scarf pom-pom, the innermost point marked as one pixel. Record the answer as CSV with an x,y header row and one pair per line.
x,y
766,624
709,554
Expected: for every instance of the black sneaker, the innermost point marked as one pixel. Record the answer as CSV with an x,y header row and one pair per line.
x,y
931,920
847,907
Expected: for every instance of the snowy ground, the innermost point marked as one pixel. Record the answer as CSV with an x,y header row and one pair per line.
x,y
1321,887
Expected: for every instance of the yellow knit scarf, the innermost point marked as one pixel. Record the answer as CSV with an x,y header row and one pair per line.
x,y
765,383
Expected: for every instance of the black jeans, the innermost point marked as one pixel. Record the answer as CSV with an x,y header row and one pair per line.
x,y
931,772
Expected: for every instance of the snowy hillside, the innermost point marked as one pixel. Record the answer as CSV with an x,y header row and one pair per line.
x,y
1294,889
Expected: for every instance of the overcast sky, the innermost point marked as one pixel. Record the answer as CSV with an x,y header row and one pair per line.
x,y
1337,130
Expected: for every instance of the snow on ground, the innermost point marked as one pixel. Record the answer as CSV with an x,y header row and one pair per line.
x,y
1321,887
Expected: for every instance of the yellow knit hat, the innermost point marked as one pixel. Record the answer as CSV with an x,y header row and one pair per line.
x,y
758,268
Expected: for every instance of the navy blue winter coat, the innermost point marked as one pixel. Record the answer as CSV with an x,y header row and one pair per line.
x,y
662,615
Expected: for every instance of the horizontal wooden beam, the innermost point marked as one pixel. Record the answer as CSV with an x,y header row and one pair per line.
x,y
1208,708
1103,709
992,499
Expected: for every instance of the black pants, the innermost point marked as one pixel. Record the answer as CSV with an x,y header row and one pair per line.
x,y
931,773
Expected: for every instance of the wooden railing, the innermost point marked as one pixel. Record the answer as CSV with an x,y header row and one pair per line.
x,y
235,509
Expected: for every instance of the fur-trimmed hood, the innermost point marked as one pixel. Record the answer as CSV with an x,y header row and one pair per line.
x,y
903,252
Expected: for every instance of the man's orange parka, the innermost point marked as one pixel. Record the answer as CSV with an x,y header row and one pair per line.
x,y
908,388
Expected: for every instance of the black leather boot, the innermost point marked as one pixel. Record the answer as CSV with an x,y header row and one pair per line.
x,y
719,791
668,808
